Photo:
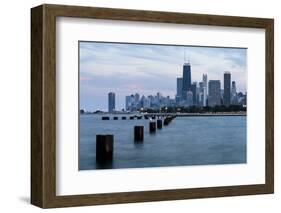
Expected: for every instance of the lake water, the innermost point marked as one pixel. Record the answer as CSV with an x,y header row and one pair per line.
x,y
185,141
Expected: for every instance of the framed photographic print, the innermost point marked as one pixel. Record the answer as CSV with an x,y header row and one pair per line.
x,y
135,106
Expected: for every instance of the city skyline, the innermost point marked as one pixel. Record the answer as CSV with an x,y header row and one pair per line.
x,y
147,73
198,94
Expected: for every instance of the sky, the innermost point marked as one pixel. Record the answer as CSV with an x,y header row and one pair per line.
x,y
127,69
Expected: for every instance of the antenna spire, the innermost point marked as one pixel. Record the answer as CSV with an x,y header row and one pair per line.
x,y
186,62
188,57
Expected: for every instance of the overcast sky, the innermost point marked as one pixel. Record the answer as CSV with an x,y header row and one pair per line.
x,y
147,69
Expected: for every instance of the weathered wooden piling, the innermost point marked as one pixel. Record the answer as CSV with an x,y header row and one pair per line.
x,y
115,118
138,133
167,120
124,118
105,118
104,148
159,124
152,127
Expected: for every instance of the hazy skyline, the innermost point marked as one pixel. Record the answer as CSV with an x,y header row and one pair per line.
x,y
147,69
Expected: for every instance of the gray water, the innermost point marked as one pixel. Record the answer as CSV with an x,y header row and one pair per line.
x,y
185,141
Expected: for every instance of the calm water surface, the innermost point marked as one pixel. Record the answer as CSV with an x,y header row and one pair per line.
x,y
185,141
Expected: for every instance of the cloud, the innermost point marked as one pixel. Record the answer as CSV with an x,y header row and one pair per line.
x,y
147,69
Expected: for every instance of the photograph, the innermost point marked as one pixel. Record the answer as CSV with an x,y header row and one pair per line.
x,y
161,105
136,105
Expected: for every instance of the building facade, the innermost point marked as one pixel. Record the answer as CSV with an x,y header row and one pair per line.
x,y
189,99
186,79
193,89
179,87
111,102
234,99
205,89
200,94
137,98
214,97
127,102
226,88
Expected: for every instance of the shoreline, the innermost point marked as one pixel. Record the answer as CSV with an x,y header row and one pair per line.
x,y
174,114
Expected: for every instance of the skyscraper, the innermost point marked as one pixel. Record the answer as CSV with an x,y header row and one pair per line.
x,y
127,102
186,79
189,98
201,93
137,98
205,82
193,89
179,87
234,99
233,88
214,97
111,102
205,89
226,88
133,102
158,98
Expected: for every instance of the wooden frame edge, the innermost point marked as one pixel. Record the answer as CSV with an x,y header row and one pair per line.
x,y
36,106
269,105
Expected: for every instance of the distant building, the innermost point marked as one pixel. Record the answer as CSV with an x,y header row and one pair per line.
x,y
242,99
226,88
130,102
205,81
205,89
193,89
234,99
214,97
201,94
151,99
146,103
137,99
186,79
151,102
127,102
167,101
179,87
233,88
189,98
111,102
159,96
133,103
178,99
201,86
222,92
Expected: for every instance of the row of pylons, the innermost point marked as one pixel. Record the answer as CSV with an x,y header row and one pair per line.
x,y
105,143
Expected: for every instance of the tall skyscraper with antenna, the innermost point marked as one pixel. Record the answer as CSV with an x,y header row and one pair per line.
x,y
186,78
